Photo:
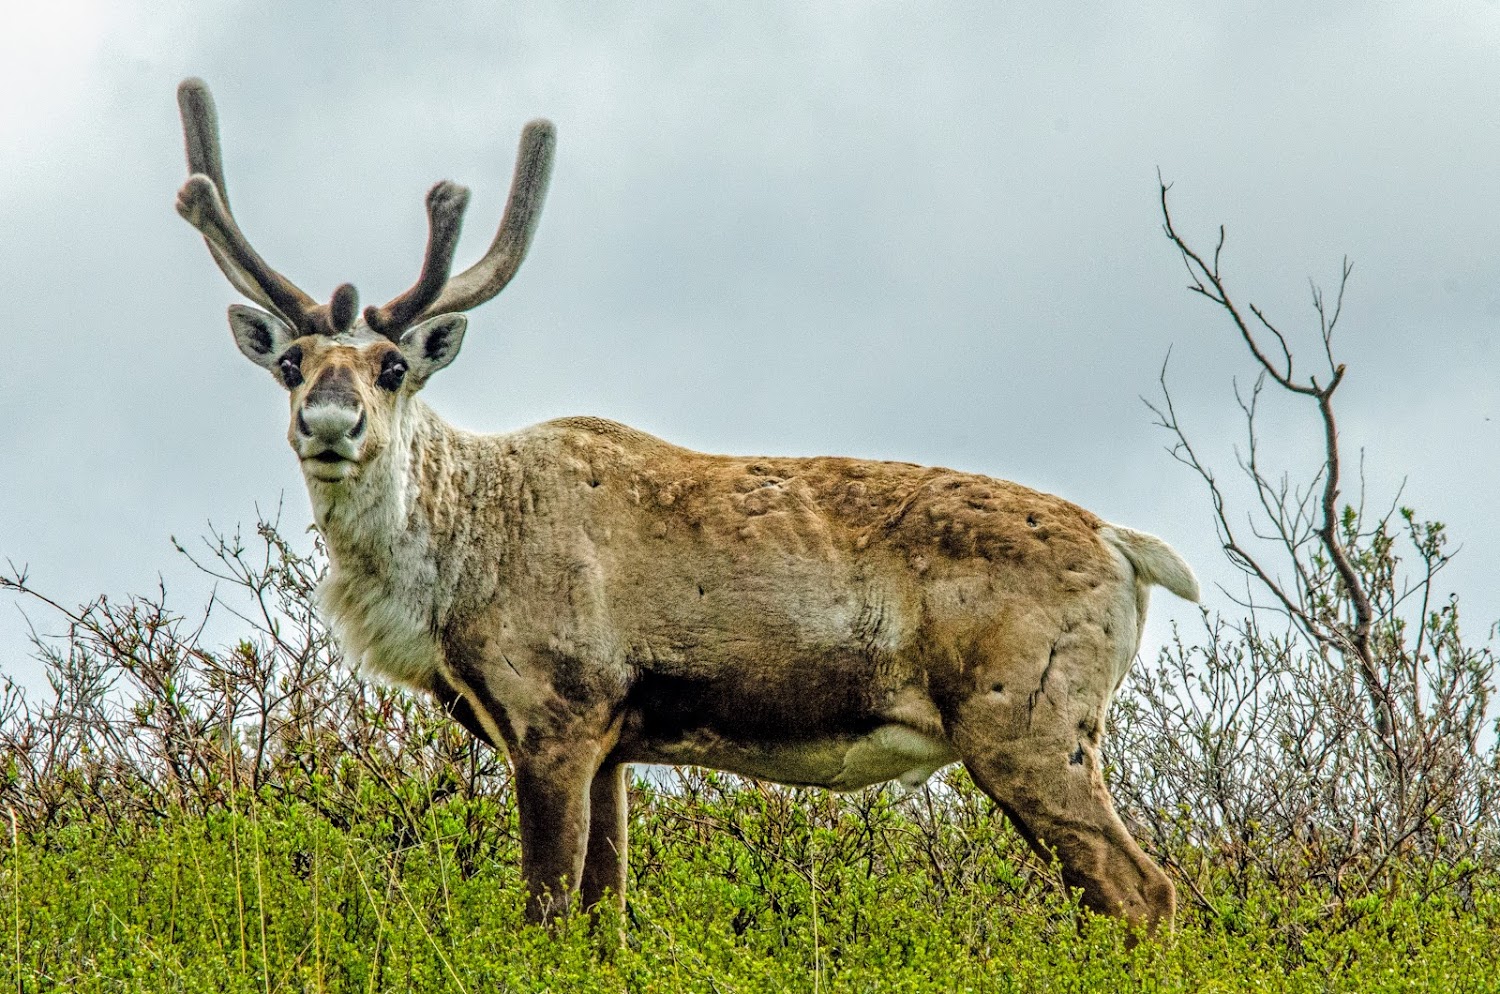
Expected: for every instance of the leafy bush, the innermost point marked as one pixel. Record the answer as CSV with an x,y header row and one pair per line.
x,y
1340,732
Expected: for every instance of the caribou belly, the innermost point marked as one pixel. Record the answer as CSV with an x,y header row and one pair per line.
x,y
890,752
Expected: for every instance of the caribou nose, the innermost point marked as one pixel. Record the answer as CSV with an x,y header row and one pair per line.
x,y
331,411
330,423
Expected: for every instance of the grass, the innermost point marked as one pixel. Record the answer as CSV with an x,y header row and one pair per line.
x,y
736,888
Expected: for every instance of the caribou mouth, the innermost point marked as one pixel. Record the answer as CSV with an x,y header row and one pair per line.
x,y
329,455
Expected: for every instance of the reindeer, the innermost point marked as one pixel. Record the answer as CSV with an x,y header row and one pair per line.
x,y
585,595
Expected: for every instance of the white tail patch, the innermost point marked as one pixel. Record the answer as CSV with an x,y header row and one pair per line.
x,y
1154,561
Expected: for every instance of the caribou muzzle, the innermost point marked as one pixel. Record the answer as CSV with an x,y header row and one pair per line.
x,y
330,424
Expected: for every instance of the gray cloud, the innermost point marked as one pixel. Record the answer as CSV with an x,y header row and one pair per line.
x,y
925,232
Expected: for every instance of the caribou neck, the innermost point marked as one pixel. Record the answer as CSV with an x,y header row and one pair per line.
x,y
383,508
391,579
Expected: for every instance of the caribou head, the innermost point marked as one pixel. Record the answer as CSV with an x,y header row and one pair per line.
x,y
349,373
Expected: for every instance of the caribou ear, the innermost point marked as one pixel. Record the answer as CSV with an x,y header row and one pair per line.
x,y
261,336
433,344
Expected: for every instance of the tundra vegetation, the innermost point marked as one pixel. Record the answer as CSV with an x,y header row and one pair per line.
x,y
1315,767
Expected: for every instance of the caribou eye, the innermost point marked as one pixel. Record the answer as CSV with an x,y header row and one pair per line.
x,y
392,372
290,365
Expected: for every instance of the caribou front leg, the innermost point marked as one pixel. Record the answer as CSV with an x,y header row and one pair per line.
x,y
604,869
553,783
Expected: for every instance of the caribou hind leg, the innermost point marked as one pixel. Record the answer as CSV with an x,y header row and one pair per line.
x,y
1032,744
1059,804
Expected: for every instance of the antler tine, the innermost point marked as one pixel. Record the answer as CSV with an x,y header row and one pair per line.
x,y
203,202
528,189
201,206
200,129
446,203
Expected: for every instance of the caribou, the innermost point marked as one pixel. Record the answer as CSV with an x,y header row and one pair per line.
x,y
586,596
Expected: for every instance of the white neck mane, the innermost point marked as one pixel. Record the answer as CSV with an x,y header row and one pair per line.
x,y
382,595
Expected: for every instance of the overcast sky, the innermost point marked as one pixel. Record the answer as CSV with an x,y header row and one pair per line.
x,y
919,231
